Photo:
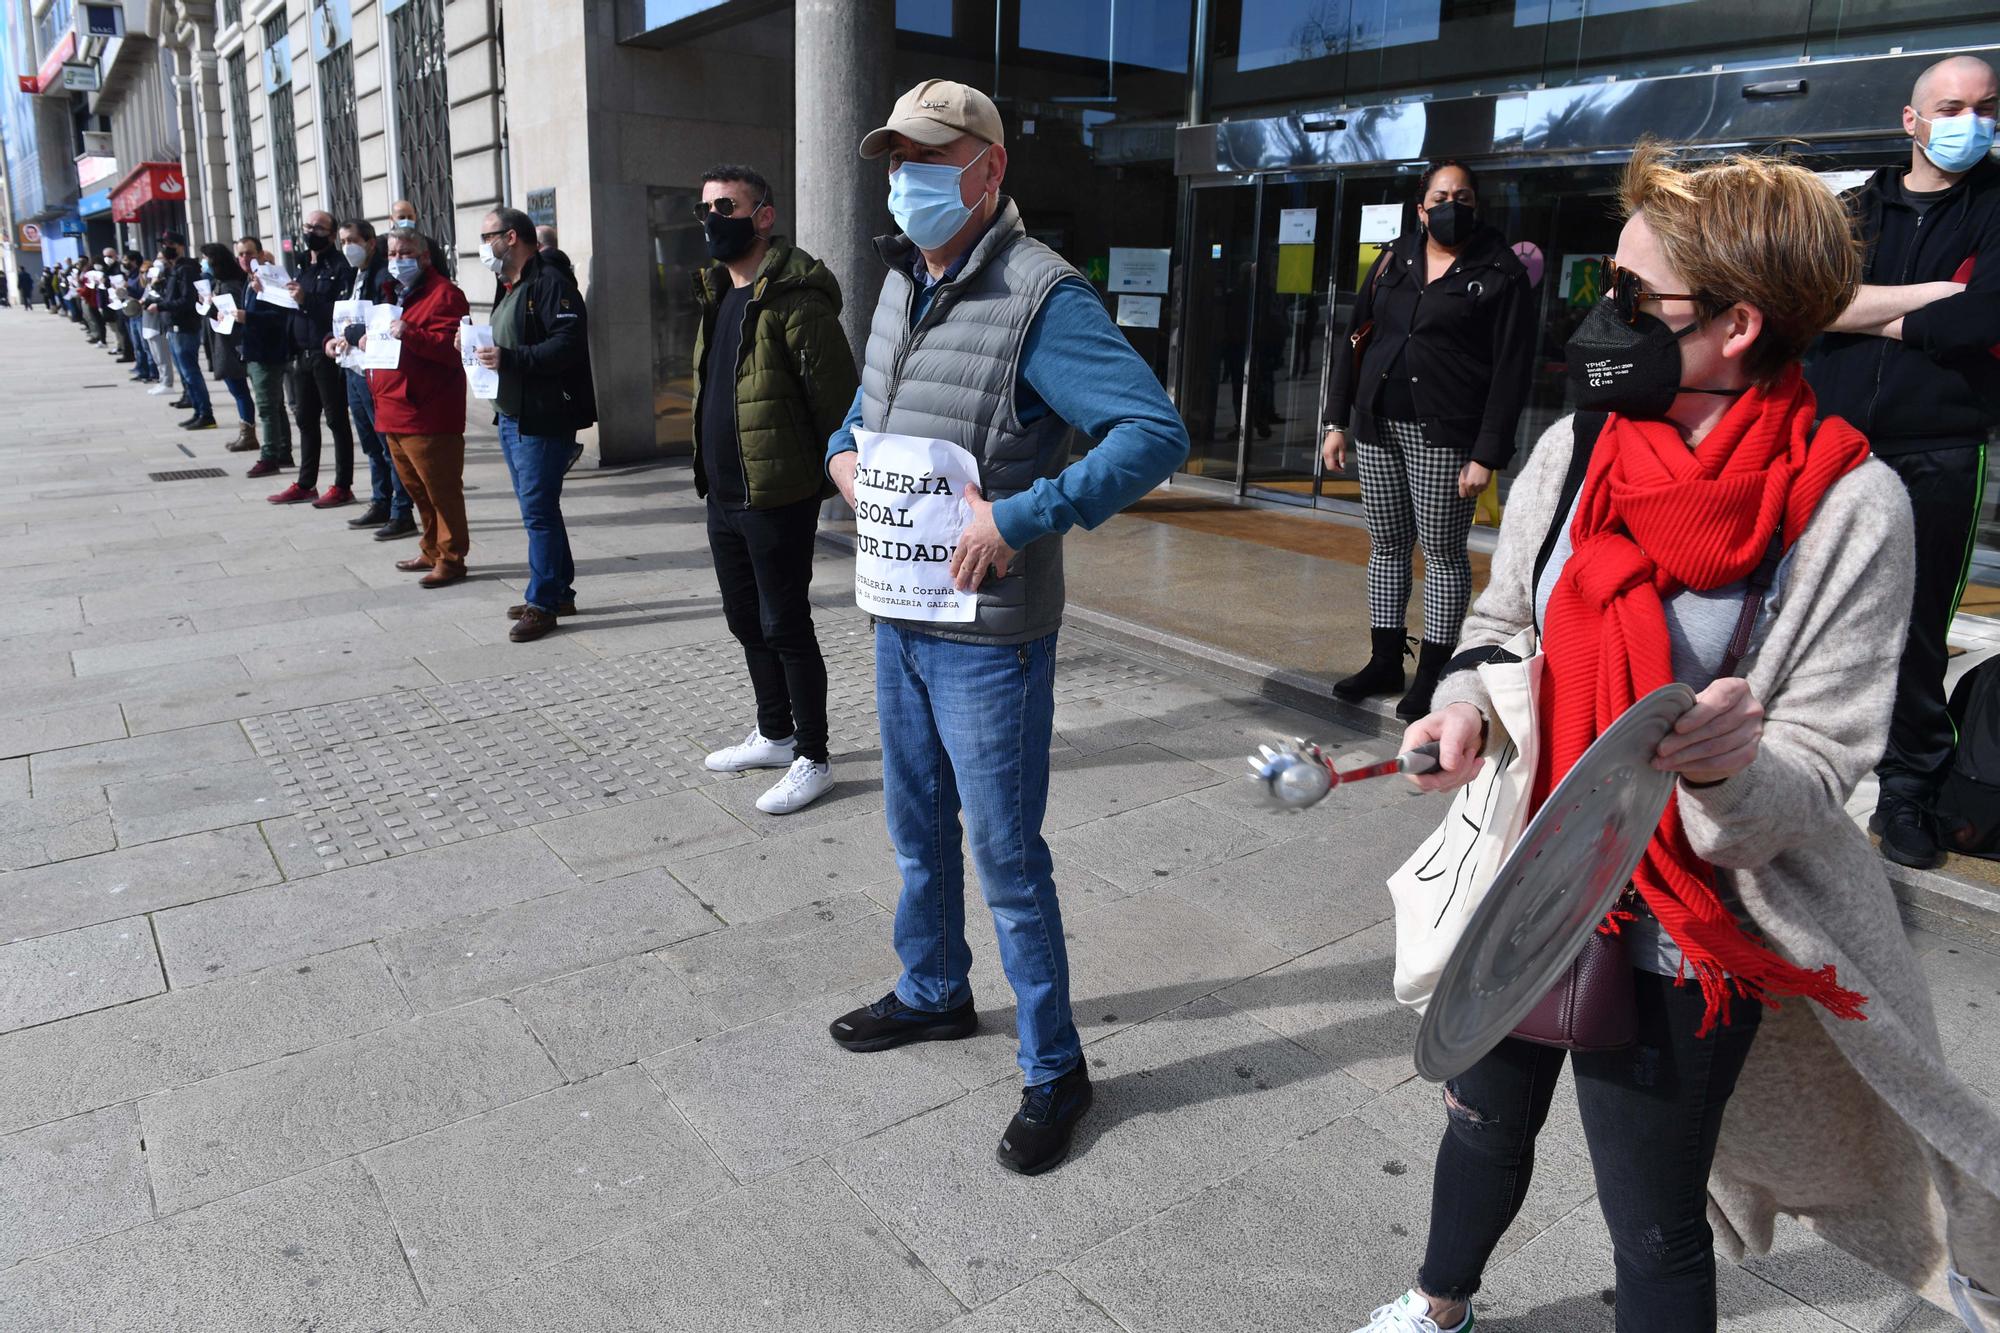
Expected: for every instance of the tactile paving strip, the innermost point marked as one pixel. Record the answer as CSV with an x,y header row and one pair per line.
x,y
395,773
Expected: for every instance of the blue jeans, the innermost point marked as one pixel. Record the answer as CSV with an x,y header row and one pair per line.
x,y
142,349
382,479
239,389
187,359
966,727
537,463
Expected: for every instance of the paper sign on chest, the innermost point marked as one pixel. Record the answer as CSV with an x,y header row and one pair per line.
x,y
909,509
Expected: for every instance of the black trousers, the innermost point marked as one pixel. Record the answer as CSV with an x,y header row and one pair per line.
x,y
1946,487
763,564
1651,1114
319,388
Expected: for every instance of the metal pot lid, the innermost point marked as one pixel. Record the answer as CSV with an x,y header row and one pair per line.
x,y
1573,860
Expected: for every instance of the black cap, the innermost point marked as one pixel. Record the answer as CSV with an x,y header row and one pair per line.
x,y
172,238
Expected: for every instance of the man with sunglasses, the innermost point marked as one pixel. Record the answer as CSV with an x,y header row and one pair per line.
x,y
1910,363
773,376
319,387
986,339
541,347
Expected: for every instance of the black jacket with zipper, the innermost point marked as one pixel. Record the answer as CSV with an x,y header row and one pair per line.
x,y
1939,387
178,295
546,373
1467,342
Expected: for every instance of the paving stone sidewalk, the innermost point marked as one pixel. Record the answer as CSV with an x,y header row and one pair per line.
x,y
362,970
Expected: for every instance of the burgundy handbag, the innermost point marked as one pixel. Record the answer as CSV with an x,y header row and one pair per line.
x,y
1593,1008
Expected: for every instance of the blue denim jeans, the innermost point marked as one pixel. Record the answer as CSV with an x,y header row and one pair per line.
x,y
187,359
386,485
142,350
966,727
537,463
239,389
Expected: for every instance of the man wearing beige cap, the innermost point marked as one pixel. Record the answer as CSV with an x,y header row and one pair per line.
x,y
986,341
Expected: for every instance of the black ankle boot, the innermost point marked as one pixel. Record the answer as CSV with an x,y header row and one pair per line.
x,y
1431,661
1384,672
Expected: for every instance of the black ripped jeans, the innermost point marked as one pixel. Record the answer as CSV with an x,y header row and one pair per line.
x,y
1650,1115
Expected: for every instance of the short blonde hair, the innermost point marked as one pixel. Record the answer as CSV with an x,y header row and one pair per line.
x,y
1752,229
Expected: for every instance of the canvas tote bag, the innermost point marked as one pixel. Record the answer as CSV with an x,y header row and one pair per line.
x,y
1439,887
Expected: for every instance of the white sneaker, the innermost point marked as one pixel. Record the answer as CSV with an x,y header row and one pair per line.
x,y
804,782
756,751
1411,1314
157,390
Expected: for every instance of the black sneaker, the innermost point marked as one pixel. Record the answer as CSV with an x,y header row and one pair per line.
x,y
1909,835
1037,1138
374,516
405,526
889,1022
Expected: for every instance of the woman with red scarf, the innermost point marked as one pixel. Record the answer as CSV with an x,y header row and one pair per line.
x,y
1697,495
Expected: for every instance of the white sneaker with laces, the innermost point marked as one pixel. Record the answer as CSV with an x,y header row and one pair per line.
x,y
756,751
804,782
156,390
1411,1314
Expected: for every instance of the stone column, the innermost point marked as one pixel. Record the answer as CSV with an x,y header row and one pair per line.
x,y
184,81
215,161
843,76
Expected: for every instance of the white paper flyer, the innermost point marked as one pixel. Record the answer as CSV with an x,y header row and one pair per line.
x,y
909,509
485,381
383,352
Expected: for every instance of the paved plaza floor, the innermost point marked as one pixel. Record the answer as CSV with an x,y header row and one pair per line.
x,y
361,970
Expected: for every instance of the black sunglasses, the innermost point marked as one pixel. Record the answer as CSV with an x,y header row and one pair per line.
x,y
723,207
1627,290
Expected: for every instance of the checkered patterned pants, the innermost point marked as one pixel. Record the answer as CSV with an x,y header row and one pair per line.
x,y
1409,491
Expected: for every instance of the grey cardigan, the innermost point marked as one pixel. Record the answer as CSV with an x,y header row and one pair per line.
x,y
1858,1128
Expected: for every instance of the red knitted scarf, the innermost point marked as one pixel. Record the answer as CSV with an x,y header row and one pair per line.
x,y
1657,518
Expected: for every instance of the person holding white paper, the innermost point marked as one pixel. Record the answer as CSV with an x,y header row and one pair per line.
x,y
177,301
540,351
225,344
266,340
420,407
988,341
388,511
318,388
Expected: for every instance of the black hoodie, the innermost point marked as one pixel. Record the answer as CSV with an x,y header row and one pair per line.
x,y
1466,341
1940,386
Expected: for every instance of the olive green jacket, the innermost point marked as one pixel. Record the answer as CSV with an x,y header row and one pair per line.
x,y
795,376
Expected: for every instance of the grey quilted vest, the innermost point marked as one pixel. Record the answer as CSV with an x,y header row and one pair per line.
x,y
954,377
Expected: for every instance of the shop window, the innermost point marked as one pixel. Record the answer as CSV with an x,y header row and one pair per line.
x,y
932,17
333,47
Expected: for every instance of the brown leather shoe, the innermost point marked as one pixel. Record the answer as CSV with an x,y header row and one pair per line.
x,y
443,576
532,623
515,611
416,564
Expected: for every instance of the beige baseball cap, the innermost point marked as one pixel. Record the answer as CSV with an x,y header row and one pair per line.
x,y
935,112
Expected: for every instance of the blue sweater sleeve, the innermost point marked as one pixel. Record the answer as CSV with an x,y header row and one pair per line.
x,y
842,440
1077,362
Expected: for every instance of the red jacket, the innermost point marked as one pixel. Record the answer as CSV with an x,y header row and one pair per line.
x,y
425,393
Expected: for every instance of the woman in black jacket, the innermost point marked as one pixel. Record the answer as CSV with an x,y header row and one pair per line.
x,y
1443,334
225,350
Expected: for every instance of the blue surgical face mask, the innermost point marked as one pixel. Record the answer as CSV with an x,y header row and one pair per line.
x,y
924,199
405,272
1958,142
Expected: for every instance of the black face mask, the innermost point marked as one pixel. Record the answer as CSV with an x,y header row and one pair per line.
x,y
1451,223
1631,369
317,242
729,237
